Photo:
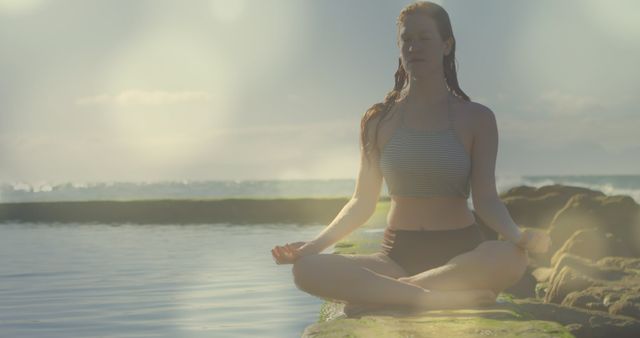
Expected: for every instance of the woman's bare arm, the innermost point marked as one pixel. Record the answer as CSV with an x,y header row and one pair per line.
x,y
486,200
359,208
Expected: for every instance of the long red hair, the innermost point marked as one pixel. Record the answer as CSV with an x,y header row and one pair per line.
x,y
382,109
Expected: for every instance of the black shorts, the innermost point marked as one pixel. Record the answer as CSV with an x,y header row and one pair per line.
x,y
417,251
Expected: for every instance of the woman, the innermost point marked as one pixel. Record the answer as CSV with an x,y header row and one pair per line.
x,y
432,145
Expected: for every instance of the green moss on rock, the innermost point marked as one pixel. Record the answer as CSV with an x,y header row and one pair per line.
x,y
506,319
435,326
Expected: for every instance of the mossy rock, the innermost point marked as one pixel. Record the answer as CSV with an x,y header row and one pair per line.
x,y
509,317
444,323
505,319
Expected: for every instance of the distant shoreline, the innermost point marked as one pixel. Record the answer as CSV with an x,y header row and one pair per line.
x,y
178,211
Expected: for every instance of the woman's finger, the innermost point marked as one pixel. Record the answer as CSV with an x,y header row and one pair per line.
x,y
276,258
286,252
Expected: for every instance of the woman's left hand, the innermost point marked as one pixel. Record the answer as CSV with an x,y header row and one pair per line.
x,y
535,241
288,253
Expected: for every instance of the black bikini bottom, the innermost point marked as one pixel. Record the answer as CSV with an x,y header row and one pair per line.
x,y
421,250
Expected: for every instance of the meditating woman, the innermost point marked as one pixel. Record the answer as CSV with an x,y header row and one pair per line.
x,y
433,146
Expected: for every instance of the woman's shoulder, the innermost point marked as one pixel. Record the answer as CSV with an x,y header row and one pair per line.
x,y
475,111
471,106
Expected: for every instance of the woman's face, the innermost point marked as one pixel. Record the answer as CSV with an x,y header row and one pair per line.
x,y
421,47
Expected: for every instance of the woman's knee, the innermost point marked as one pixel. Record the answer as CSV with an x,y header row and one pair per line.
x,y
520,260
514,258
503,258
305,269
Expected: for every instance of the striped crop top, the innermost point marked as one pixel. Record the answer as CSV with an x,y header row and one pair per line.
x,y
421,163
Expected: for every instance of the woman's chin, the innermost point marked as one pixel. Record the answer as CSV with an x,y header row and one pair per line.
x,y
420,72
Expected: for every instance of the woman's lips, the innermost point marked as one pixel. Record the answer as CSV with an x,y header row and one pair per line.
x,y
416,60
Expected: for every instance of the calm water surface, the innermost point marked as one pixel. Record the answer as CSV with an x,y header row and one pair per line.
x,y
94,280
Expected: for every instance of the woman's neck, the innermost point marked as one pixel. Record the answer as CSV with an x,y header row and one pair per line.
x,y
425,92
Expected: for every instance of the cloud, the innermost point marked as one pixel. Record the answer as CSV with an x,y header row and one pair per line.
x,y
17,7
559,103
143,97
227,11
610,131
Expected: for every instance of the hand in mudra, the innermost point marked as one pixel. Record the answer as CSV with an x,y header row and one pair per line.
x,y
288,253
535,241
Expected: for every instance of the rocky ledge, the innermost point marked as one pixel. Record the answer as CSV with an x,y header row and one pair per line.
x,y
588,285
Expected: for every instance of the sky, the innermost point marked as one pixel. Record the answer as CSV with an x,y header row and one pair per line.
x,y
115,90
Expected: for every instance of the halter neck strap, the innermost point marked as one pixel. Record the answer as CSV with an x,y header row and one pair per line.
x,y
449,118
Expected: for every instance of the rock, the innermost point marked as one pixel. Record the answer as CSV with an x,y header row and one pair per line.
x,y
525,287
576,215
517,317
619,215
585,293
565,282
542,274
564,190
584,299
534,212
611,285
628,305
611,298
542,289
581,322
592,244
181,211
620,262
535,207
587,267
503,320
576,262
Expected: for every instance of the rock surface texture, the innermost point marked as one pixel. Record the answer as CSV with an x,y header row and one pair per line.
x,y
587,285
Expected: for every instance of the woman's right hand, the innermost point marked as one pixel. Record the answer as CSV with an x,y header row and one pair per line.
x,y
535,241
288,253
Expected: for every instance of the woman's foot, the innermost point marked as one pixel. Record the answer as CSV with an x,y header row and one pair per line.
x,y
432,300
356,309
455,299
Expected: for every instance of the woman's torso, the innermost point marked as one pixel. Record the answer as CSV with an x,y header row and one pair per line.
x,y
429,213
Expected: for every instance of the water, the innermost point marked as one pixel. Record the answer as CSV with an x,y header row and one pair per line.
x,y
217,280
214,280
82,191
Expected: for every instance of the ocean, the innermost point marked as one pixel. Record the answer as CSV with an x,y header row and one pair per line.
x,y
185,189
93,279
100,280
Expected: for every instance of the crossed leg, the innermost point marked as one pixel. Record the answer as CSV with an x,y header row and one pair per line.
x,y
358,278
494,265
373,281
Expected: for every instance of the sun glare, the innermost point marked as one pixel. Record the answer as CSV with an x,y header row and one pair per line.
x,y
15,7
204,69
617,18
227,10
169,93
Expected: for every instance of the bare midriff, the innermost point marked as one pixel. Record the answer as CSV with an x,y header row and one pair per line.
x,y
431,213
